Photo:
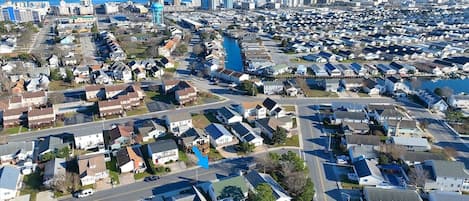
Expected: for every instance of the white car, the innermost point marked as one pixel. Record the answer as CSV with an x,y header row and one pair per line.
x,y
84,193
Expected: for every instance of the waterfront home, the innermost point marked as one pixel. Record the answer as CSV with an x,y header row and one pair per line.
x,y
394,84
368,173
9,182
431,100
178,123
195,137
386,194
228,116
462,62
54,171
273,87
163,151
91,168
219,135
270,125
411,143
245,133
255,179
130,159
402,128
230,76
445,175
372,88
251,110
459,101
16,152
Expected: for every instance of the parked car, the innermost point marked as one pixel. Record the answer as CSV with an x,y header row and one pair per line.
x,y
84,193
151,178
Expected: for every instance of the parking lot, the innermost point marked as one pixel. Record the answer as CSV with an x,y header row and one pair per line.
x,y
155,106
78,118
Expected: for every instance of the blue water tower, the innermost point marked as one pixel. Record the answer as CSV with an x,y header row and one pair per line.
x,y
157,13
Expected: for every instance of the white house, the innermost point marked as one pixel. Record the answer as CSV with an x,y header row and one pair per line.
x,y
150,130
130,159
446,176
245,133
9,182
89,140
178,123
16,151
219,135
228,116
121,71
432,101
91,168
411,143
368,174
163,151
459,101
251,110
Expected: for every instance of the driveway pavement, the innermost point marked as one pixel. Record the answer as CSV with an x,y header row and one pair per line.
x,y
126,178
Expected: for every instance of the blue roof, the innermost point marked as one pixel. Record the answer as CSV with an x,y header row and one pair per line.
x,y
216,130
330,67
8,177
240,128
362,168
356,67
249,137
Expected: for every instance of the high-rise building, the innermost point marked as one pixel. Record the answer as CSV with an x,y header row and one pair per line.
x,y
228,4
157,14
212,4
22,14
204,4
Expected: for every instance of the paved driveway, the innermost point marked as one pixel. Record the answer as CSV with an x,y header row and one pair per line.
x,y
155,106
126,178
78,118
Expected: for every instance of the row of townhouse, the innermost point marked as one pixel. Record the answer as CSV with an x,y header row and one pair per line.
x,y
182,91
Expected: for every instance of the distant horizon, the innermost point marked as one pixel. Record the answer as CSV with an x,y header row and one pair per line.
x,y
56,2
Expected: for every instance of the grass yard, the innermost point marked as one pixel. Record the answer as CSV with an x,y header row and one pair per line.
x,y
156,96
113,170
363,95
320,93
299,60
289,108
14,130
32,184
200,121
348,184
61,85
291,142
214,155
138,111
142,175
294,122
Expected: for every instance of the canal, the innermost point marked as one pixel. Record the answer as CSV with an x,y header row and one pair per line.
x,y
458,85
233,59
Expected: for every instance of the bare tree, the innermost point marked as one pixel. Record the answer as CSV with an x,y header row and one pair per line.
x,y
395,151
450,152
418,176
295,182
73,181
59,182
198,49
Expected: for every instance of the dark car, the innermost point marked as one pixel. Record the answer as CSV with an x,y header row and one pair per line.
x,y
151,178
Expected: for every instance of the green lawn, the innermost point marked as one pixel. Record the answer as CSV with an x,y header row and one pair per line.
x,y
320,93
141,175
113,170
348,184
14,130
200,121
61,85
156,96
293,142
363,95
214,155
32,184
289,108
299,60
295,124
138,111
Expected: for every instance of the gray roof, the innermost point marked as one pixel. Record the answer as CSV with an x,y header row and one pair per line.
x,y
15,148
413,156
362,139
366,167
54,167
8,177
453,169
227,112
162,145
192,134
241,128
364,150
411,141
350,115
175,117
381,194
217,130
51,143
447,196
404,123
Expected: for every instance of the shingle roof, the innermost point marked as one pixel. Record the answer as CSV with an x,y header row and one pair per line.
x,y
269,104
8,177
362,139
175,117
227,112
51,143
350,115
366,167
381,194
410,141
16,147
162,145
453,169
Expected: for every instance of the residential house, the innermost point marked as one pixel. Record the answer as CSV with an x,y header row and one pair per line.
x,y
269,125
50,144
354,140
346,71
90,139
386,69
273,108
432,101
332,85
226,188
361,152
251,110
459,101
178,123
403,128
16,152
118,136
411,143
319,70
351,128
368,173
273,87
328,56
41,117
394,85
245,133
255,178
229,75
219,135
150,130
332,70
34,99
291,88
110,107
94,92
412,158
386,194
346,116
9,182
81,74
228,116
53,61
121,71
314,58
352,83
195,137
130,159
446,176
186,95
91,168
358,69
54,171
372,87
114,91
163,151
14,117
